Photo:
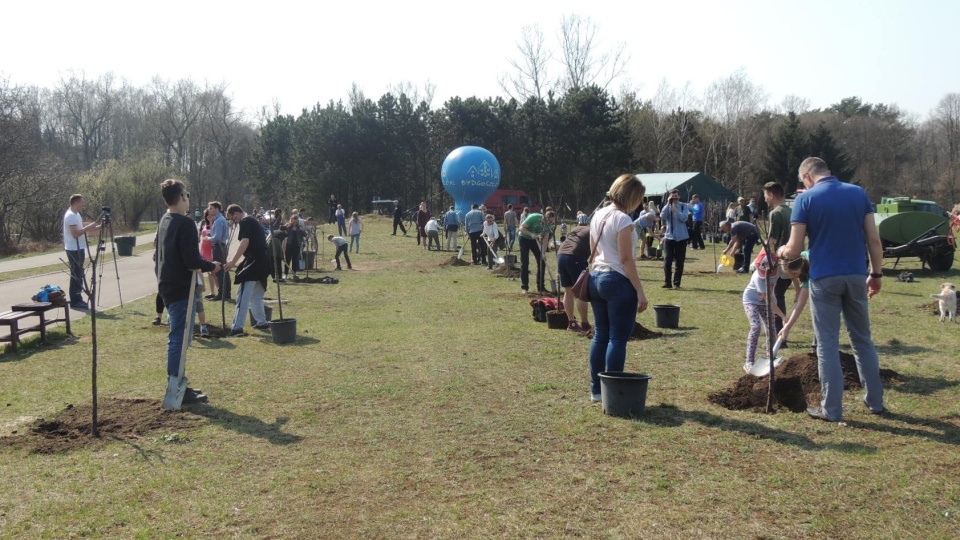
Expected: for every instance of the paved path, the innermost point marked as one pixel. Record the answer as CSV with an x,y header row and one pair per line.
x,y
50,259
136,280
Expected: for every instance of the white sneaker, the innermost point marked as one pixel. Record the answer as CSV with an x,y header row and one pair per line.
x,y
596,398
747,366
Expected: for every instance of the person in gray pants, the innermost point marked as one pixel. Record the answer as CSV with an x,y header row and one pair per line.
x,y
838,220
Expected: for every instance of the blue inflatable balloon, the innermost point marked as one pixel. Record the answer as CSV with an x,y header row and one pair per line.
x,y
470,174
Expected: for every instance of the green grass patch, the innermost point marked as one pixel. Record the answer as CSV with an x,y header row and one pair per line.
x,y
423,401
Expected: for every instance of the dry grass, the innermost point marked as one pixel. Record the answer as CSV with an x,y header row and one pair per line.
x,y
422,401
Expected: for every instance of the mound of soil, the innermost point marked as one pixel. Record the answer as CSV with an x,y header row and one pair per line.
x,y
639,333
796,385
506,272
454,261
117,419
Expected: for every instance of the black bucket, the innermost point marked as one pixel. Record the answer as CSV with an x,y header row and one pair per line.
x,y
125,245
283,331
267,310
667,316
510,260
557,320
309,260
624,394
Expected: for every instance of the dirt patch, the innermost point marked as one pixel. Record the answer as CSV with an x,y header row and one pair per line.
x,y
117,419
454,261
505,271
639,333
796,385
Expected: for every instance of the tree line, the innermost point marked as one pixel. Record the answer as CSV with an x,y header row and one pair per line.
x,y
115,143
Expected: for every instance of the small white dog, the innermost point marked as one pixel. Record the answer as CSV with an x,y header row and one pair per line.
x,y
947,302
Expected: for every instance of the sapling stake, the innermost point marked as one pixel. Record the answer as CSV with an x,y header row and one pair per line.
x,y
771,317
279,301
223,299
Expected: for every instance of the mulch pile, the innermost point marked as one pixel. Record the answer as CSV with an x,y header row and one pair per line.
x,y
796,385
639,333
454,261
117,419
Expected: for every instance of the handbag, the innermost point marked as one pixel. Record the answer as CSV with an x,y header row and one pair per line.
x,y
581,288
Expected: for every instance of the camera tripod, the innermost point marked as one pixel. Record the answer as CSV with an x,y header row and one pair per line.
x,y
96,262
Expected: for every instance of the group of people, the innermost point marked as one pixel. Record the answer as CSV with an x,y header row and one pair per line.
x,y
676,225
839,272
834,217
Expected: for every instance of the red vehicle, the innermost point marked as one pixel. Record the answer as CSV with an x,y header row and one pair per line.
x,y
501,198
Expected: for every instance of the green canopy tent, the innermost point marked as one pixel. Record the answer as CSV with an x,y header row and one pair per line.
x,y
687,183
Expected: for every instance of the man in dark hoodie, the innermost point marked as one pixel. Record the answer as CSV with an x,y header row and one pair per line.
x,y
178,258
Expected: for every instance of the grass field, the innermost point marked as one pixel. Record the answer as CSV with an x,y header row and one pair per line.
x,y
423,401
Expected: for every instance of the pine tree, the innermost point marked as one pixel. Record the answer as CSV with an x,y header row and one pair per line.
x,y
825,147
785,151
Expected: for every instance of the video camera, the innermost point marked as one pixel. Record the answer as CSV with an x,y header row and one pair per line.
x,y
104,214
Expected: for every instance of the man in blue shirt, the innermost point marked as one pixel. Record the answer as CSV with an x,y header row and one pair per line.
x,y
696,241
473,222
838,219
674,220
219,235
451,224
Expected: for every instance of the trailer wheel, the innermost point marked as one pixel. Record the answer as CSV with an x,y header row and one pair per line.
x,y
941,262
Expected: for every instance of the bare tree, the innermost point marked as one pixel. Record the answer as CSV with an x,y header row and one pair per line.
x,y
795,104
732,102
413,93
583,62
177,107
531,77
84,109
946,119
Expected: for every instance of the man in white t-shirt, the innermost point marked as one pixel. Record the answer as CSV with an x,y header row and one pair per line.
x,y
75,244
432,228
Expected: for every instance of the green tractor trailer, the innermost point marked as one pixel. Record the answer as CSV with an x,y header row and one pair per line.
x,y
915,228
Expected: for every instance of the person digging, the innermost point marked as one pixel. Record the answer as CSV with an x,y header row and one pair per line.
x,y
178,264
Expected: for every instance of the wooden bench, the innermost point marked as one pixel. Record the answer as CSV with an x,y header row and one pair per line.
x,y
12,319
32,309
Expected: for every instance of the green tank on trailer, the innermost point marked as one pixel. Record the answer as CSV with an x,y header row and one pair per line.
x,y
915,228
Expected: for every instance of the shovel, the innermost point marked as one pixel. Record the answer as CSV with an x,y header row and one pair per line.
x,y
496,258
762,367
177,386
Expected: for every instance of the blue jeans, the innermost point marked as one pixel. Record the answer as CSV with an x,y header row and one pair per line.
x,y
614,302
177,318
355,240
75,259
829,297
250,297
511,236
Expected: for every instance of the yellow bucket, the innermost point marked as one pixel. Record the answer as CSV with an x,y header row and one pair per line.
x,y
727,260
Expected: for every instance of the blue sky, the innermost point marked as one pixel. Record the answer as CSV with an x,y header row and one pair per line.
x,y
302,53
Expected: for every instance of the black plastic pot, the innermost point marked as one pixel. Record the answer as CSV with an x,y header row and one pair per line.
x,y
624,394
283,331
667,316
267,310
